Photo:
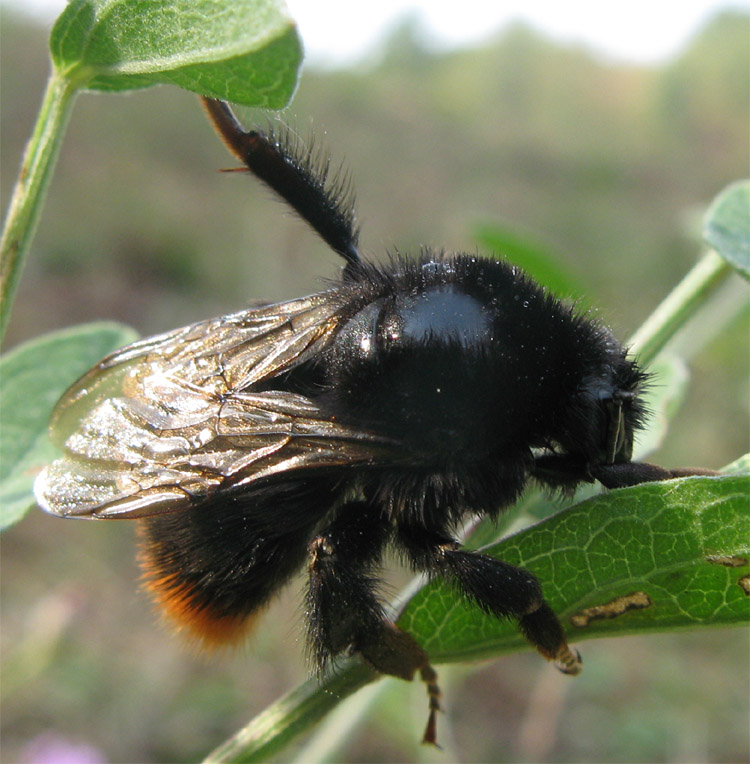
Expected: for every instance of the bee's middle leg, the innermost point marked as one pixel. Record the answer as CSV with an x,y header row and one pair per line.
x,y
343,610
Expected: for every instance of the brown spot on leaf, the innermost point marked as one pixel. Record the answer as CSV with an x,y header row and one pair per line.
x,y
729,561
744,584
612,609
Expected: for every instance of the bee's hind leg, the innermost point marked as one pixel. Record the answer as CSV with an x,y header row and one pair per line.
x,y
498,588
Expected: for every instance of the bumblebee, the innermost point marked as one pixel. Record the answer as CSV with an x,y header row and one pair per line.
x,y
383,411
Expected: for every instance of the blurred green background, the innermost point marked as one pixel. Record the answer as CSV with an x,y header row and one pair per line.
x,y
607,166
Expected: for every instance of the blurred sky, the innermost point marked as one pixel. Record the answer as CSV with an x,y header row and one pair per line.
x,y
342,31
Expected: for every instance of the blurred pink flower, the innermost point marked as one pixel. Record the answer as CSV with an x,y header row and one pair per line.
x,y
53,748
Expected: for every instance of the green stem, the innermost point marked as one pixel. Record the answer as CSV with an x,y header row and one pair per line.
x,y
33,180
678,306
277,725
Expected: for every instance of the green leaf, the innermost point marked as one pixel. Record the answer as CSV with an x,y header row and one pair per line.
x,y
33,376
727,226
245,51
739,466
683,546
533,257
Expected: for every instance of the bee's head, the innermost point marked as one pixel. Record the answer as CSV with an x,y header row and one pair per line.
x,y
607,409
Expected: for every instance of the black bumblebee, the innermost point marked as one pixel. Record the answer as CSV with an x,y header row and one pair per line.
x,y
384,410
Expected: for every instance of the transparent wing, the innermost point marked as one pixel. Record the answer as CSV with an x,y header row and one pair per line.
x,y
169,420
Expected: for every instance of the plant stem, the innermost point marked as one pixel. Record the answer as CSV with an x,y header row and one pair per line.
x,y
678,306
274,728
33,180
